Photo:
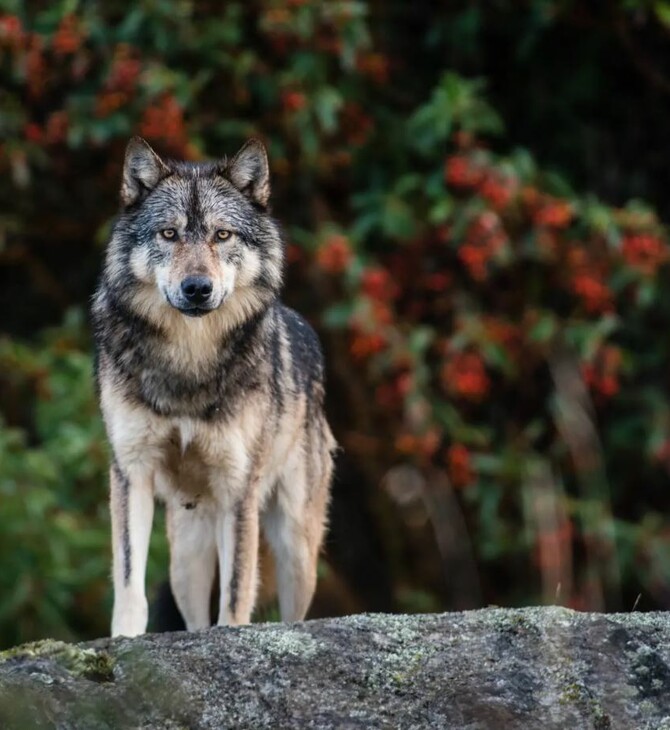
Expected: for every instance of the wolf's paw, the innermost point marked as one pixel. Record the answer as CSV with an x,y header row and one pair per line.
x,y
130,618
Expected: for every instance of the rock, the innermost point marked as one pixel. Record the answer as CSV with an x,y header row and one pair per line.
x,y
494,668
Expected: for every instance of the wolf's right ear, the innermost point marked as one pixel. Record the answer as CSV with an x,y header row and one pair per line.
x,y
143,169
249,171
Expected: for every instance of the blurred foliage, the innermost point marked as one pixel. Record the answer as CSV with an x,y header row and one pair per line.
x,y
494,332
54,540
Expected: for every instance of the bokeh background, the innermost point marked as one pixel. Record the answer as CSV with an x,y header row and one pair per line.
x,y
473,194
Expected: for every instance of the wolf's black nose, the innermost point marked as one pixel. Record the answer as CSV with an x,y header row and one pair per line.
x,y
196,289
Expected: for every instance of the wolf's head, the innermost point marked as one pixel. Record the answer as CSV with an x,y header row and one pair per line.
x,y
195,237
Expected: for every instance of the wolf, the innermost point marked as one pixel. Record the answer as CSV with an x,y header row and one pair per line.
x,y
211,391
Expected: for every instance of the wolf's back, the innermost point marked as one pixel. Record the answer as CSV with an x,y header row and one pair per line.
x,y
307,367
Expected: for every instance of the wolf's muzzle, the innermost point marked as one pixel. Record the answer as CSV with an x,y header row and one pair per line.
x,y
196,290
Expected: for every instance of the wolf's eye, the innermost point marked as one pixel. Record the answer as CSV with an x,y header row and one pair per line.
x,y
223,235
169,233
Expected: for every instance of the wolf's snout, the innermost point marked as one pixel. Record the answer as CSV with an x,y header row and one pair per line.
x,y
196,289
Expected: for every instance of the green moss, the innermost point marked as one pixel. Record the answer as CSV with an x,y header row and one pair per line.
x,y
88,663
575,693
571,693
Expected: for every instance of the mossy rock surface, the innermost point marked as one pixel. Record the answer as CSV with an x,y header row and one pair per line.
x,y
494,668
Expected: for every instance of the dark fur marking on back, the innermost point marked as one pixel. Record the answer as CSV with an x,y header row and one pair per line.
x,y
124,484
277,365
306,356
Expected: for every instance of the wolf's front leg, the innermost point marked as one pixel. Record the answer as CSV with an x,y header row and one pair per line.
x,y
192,560
237,543
132,510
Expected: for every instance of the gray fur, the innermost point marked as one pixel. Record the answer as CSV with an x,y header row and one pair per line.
x,y
198,399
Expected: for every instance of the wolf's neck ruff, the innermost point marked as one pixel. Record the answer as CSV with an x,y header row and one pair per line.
x,y
151,365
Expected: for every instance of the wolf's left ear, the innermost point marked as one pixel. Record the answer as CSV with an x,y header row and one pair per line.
x,y
143,169
249,172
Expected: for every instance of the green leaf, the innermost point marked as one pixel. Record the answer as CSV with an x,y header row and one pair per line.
x,y
662,10
327,103
544,329
338,315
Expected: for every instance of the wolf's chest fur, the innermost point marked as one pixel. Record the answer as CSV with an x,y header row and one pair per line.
x,y
242,411
201,376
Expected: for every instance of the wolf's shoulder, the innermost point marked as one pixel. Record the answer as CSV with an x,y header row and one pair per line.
x,y
303,342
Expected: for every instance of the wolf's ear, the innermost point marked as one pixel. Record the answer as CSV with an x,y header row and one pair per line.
x,y
249,172
143,169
